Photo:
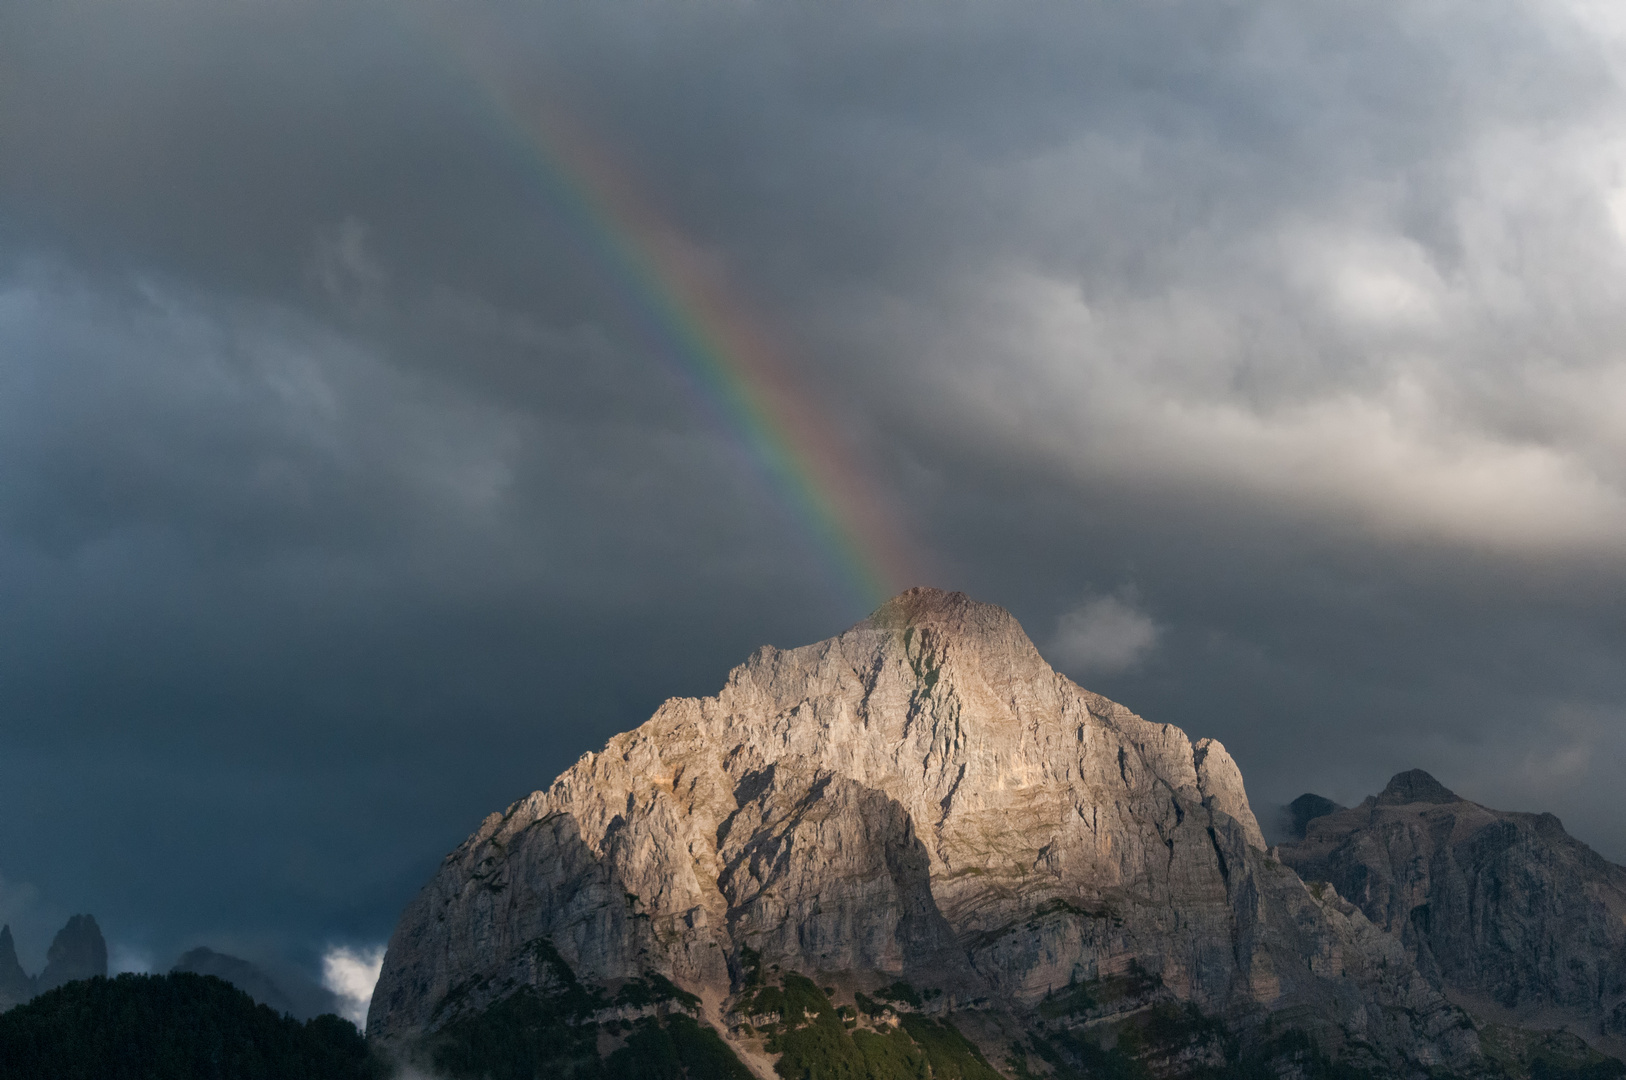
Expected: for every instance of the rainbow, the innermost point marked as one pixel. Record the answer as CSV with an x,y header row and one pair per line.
x,y
686,311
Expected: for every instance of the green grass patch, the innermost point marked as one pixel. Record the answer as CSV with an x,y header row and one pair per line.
x,y
892,1054
951,1054
1082,998
541,1033
1057,905
792,1001
653,989
677,1048
819,1041
869,1006
751,966
900,992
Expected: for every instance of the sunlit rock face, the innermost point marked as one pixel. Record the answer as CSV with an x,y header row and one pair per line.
x,y
1505,910
923,798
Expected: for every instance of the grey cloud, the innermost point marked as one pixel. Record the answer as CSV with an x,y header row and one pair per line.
x,y
1102,634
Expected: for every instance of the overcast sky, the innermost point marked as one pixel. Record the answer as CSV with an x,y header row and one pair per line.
x,y
1266,358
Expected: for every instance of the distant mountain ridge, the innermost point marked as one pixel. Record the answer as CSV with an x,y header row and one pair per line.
x,y
1505,911
79,952
297,997
915,838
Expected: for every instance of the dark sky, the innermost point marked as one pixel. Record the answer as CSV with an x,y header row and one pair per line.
x,y
1267,359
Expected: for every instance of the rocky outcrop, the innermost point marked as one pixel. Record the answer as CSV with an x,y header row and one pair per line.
x,y
922,802
1506,911
16,986
77,952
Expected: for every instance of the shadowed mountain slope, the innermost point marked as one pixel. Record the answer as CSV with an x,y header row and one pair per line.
x,y
1506,911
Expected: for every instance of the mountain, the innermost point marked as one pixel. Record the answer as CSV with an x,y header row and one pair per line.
x,y
910,850
77,952
1507,912
16,986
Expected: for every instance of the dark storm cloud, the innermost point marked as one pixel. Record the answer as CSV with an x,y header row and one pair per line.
x,y
342,500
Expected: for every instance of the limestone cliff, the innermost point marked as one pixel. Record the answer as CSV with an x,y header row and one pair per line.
x,y
1505,910
921,801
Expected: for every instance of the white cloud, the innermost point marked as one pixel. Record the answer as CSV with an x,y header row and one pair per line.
x,y
351,975
1103,634
1339,372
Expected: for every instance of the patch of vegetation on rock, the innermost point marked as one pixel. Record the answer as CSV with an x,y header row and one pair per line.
x,y
1164,1039
555,1031
1111,993
951,1054
654,988
817,1040
530,1035
900,992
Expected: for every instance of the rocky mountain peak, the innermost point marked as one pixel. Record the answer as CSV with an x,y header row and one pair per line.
x,y
930,645
1415,786
924,606
77,952
920,798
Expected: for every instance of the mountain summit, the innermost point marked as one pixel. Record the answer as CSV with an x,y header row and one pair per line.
x,y
1415,786
918,811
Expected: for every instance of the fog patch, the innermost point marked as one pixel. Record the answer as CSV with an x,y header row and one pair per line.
x,y
1102,635
129,959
